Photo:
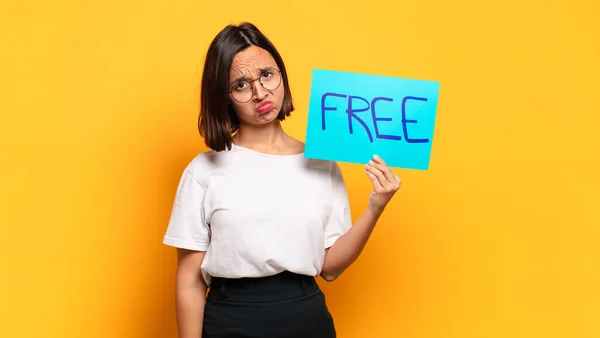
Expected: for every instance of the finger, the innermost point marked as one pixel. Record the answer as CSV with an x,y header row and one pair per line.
x,y
383,181
376,185
378,159
398,179
380,164
390,181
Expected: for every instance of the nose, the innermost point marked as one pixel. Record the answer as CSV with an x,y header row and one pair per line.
x,y
259,91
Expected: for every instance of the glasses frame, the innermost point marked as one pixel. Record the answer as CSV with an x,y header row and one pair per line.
x,y
261,84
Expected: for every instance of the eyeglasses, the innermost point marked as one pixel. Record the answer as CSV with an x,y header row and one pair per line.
x,y
269,79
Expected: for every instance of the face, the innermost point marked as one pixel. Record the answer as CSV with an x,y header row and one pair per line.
x,y
249,69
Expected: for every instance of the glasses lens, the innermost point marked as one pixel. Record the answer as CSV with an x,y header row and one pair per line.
x,y
242,95
270,80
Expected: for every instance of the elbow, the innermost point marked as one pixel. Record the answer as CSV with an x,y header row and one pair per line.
x,y
329,276
331,270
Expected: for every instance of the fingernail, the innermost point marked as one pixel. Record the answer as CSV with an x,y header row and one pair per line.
x,y
376,156
371,162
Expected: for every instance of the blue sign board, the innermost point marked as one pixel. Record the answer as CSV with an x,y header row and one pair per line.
x,y
352,117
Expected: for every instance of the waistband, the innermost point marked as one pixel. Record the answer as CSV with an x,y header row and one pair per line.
x,y
284,285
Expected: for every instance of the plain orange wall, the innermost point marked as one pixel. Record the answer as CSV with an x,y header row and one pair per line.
x,y
500,238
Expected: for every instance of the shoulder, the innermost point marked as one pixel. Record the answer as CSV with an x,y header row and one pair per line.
x,y
296,145
204,164
328,168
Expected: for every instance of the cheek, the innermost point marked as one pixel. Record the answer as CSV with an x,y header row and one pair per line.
x,y
242,109
280,93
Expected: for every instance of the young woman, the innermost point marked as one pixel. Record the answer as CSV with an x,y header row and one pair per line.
x,y
254,222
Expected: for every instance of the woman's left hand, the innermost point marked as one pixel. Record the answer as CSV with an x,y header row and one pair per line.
x,y
385,183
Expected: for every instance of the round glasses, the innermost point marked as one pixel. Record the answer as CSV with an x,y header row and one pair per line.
x,y
269,79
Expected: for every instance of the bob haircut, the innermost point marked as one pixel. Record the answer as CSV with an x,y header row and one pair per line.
x,y
217,120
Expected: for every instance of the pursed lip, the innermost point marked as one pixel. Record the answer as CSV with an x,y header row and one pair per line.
x,y
264,107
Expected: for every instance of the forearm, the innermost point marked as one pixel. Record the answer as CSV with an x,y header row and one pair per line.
x,y
348,247
191,297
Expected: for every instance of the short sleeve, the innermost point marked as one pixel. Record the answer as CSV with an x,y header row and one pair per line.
x,y
187,228
340,219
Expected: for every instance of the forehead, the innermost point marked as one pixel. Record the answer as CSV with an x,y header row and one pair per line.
x,y
249,61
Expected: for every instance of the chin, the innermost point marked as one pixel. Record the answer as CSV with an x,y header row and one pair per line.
x,y
257,119
268,117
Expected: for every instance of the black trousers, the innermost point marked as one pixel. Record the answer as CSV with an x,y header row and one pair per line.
x,y
286,305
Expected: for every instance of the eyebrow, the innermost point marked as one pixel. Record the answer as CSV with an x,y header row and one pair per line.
x,y
243,77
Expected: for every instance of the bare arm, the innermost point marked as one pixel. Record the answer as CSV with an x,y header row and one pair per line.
x,y
190,293
348,247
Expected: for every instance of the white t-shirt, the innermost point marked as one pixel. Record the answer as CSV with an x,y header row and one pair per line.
x,y
258,214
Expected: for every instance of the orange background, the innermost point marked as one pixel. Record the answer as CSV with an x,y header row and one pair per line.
x,y
500,238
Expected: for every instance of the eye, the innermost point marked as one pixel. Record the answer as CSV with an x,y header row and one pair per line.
x,y
240,86
267,74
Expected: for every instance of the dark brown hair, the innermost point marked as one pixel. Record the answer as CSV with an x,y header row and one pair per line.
x,y
217,120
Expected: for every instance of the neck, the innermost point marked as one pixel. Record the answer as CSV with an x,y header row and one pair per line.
x,y
266,138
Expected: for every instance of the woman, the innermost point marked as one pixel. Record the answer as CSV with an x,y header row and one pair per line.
x,y
253,220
